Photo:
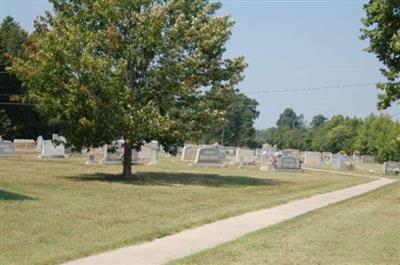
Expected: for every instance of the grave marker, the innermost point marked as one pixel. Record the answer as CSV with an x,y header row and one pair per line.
x,y
289,162
51,150
7,148
208,156
391,168
247,156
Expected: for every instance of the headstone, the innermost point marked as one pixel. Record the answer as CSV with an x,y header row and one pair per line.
x,y
312,158
266,162
39,141
91,159
145,152
208,156
248,156
25,145
290,163
113,153
326,157
7,148
391,168
368,159
189,153
51,150
154,154
342,162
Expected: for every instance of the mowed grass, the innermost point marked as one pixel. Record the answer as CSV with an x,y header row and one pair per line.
x,y
58,210
363,230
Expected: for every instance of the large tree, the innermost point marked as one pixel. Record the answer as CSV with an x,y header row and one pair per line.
x,y
139,70
382,28
237,126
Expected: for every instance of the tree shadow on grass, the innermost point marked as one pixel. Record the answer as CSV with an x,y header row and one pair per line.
x,y
179,179
11,196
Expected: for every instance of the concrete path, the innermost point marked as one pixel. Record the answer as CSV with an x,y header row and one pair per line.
x,y
207,236
346,173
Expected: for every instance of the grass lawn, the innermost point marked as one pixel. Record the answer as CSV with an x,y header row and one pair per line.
x,y
363,230
54,211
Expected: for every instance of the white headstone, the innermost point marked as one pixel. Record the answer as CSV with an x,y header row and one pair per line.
x,y
154,154
208,156
39,141
7,148
50,149
266,162
24,145
367,159
189,153
247,156
312,158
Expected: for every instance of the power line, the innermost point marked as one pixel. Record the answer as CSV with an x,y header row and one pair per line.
x,y
306,89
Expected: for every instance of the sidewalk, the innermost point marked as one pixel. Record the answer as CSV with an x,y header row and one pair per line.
x,y
207,236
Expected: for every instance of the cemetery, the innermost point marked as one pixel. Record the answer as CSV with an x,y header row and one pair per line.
x,y
148,132
211,171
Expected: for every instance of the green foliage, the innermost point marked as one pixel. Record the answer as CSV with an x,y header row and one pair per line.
x,y
382,29
237,127
380,136
289,119
375,135
318,120
23,121
141,70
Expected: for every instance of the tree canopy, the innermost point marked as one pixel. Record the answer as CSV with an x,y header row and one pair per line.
x,y
382,29
139,70
237,126
19,120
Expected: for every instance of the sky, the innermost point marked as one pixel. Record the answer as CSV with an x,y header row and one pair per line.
x,y
289,45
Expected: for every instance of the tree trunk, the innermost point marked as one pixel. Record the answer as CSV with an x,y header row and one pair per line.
x,y
127,163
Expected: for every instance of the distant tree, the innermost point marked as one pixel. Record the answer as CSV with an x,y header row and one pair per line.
x,y
237,127
290,119
380,136
318,120
382,27
24,120
138,70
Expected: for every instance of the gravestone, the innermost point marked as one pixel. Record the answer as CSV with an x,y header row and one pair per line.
x,y
113,153
25,145
391,168
189,153
342,162
154,154
39,141
288,163
7,148
145,152
326,157
91,160
51,150
246,156
312,158
208,156
368,159
266,162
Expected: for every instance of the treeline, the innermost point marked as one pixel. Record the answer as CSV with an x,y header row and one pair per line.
x,y
377,135
18,118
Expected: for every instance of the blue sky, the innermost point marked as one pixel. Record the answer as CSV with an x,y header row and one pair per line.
x,y
288,44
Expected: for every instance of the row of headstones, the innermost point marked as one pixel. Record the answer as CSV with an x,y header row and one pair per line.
x,y
113,154
47,147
